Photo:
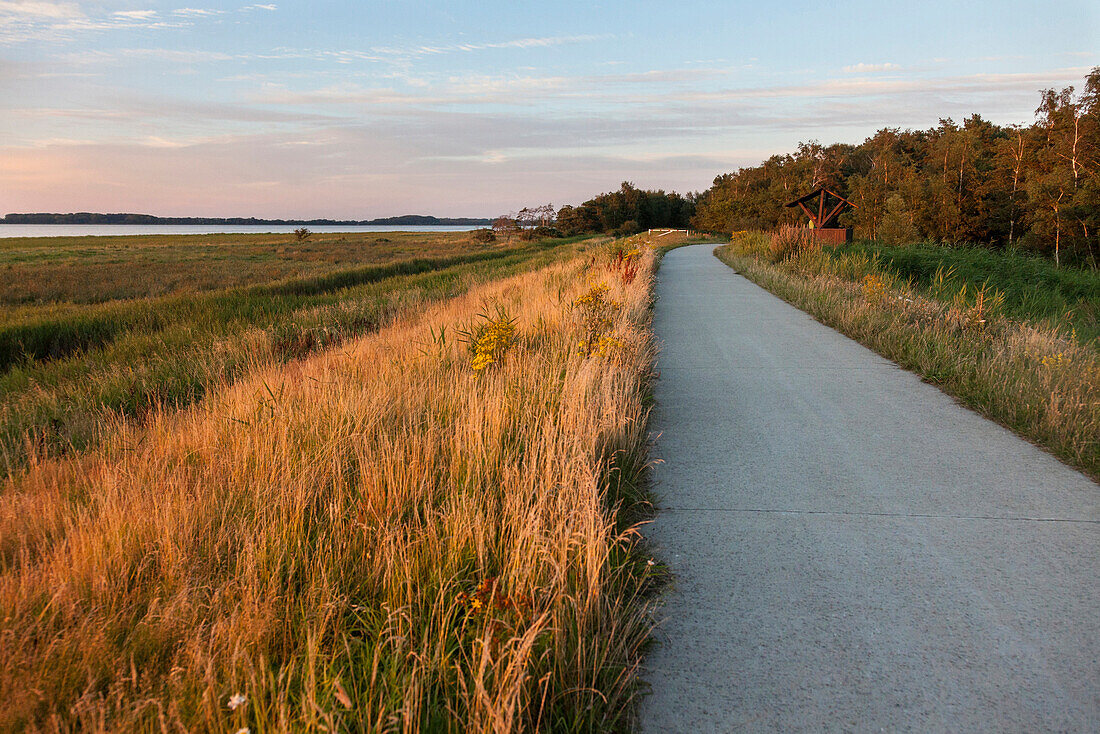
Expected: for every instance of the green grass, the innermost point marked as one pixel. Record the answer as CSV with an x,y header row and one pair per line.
x,y
66,370
1034,289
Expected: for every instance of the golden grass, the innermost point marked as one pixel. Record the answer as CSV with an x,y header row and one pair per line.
x,y
789,241
313,538
87,270
1035,379
63,379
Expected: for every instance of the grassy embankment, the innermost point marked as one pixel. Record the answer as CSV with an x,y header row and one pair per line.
x,y
1034,289
411,532
1014,340
69,361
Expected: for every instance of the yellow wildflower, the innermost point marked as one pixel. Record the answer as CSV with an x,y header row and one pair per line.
x,y
489,340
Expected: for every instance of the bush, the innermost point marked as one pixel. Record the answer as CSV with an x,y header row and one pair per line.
x,y
484,235
627,228
545,231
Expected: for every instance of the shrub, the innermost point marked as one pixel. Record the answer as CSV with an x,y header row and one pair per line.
x,y
545,231
302,234
627,228
484,235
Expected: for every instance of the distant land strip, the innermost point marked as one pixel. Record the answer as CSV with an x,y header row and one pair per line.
x,y
93,218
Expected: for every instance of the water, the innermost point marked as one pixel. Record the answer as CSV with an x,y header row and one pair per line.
x,y
83,230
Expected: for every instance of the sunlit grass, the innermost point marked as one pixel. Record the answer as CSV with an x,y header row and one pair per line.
x,y
97,269
374,538
63,375
1034,288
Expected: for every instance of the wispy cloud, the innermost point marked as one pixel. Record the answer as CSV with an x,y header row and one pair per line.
x,y
662,88
970,83
135,14
23,21
196,12
38,10
520,43
496,89
862,68
181,56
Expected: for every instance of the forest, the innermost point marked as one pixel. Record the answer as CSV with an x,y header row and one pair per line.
x,y
1034,188
627,211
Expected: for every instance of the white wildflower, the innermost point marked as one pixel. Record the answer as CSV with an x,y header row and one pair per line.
x,y
236,701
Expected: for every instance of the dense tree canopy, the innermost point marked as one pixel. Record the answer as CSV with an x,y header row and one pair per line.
x,y
627,211
1035,187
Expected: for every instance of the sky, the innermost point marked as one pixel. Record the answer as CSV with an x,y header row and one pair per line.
x,y
377,108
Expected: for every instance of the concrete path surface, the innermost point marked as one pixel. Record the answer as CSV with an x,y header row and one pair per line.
x,y
852,550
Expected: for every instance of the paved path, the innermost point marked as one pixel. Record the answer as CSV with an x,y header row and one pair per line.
x,y
853,550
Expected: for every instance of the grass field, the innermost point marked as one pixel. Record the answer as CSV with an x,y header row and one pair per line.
x,y
67,367
1025,356
428,528
1034,289
41,270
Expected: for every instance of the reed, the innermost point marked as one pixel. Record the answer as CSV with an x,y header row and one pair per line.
x,y
790,241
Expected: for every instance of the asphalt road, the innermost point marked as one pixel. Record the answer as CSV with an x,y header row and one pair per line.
x,y
852,550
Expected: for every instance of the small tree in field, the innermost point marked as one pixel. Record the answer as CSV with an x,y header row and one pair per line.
x,y
505,225
302,234
539,216
526,218
545,215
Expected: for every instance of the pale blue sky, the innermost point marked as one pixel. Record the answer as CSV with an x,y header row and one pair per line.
x,y
358,110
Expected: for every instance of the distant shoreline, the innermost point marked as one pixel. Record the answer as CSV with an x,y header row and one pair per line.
x,y
149,219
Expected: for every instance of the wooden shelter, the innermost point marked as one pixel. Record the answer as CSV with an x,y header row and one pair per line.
x,y
828,205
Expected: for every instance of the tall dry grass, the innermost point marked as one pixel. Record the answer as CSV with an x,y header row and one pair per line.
x,y
790,241
378,538
62,379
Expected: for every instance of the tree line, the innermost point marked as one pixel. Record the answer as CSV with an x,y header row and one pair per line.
x,y
1034,187
627,211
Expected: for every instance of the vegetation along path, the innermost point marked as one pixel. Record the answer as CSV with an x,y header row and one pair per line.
x,y
853,550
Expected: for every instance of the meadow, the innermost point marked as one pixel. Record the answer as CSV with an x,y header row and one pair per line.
x,y
430,527
76,355
1012,337
1034,288
40,270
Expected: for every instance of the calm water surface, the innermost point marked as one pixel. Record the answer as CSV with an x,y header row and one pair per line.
x,y
81,230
